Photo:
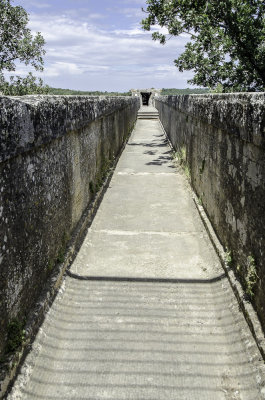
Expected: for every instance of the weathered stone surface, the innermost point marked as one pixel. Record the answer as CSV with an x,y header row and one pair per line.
x,y
54,151
224,139
146,311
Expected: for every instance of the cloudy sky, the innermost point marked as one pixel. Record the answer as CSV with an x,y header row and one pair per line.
x,y
99,45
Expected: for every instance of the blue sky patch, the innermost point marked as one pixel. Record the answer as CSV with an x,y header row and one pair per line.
x,y
99,45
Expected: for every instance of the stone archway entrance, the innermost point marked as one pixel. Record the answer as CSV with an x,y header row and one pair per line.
x,y
145,98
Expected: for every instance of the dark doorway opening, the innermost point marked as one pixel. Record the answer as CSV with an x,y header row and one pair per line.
x,y
145,98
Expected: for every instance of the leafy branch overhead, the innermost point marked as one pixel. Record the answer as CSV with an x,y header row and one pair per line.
x,y
227,39
17,44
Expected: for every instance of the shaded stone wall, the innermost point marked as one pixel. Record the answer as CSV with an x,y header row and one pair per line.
x,y
222,138
54,153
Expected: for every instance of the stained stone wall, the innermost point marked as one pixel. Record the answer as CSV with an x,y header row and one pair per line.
x,y
222,138
54,152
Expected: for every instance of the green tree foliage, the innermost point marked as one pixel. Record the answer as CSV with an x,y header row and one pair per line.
x,y
173,91
59,91
17,44
19,86
227,40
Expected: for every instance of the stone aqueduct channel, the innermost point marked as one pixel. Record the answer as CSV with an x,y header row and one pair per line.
x,y
145,311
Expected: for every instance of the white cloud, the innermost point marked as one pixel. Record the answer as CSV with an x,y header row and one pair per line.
x,y
133,31
132,12
40,5
140,3
82,55
60,67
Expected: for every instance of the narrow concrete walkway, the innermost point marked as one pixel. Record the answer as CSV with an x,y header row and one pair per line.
x,y
147,109
172,329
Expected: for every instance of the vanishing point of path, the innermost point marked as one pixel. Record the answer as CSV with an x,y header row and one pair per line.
x,y
172,330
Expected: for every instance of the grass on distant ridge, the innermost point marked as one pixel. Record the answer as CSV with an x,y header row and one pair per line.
x,y
173,91
86,93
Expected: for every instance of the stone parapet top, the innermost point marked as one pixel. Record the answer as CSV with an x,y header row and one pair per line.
x,y
241,114
30,121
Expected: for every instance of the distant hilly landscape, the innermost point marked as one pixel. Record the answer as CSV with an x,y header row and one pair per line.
x,y
171,91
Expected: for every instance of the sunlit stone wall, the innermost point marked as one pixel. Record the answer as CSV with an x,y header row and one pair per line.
x,y
222,138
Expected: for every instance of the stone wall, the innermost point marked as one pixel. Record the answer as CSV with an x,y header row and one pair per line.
x,y
54,153
222,140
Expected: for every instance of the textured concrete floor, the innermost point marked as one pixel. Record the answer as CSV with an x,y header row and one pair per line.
x,y
172,331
